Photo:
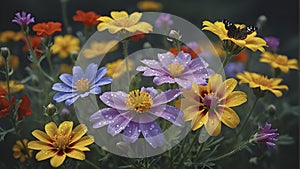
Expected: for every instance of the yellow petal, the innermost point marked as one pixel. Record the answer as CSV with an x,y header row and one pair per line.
x,y
38,145
102,26
213,124
199,119
256,43
117,15
105,19
114,29
214,82
45,154
236,98
65,128
135,17
230,118
79,155
42,136
78,132
84,141
141,26
230,85
56,160
17,154
190,113
217,28
17,147
51,129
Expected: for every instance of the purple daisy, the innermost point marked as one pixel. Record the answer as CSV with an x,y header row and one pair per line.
x,y
133,113
163,20
23,19
266,135
180,69
81,84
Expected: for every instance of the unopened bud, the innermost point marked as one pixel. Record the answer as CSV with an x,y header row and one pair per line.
x,y
74,55
174,35
50,110
261,20
271,109
5,52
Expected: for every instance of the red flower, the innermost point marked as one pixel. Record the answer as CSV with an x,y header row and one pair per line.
x,y
4,107
137,35
242,56
3,92
47,29
185,50
36,43
87,18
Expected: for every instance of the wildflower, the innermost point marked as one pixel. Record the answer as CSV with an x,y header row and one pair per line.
x,y
149,5
232,68
210,104
117,68
13,61
9,35
47,28
81,84
23,19
19,151
163,21
240,35
36,44
180,69
133,113
242,56
57,143
64,45
120,21
263,83
192,48
100,48
89,19
65,68
137,35
13,85
278,61
4,103
272,43
265,135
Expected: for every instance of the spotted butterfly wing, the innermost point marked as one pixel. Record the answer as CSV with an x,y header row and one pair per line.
x,y
238,33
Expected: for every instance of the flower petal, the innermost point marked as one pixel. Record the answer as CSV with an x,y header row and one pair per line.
x,y
78,132
71,100
103,117
78,73
163,79
117,15
84,141
39,145
61,87
169,113
42,136
76,154
45,154
152,133
65,128
119,123
91,72
67,79
213,124
131,132
199,119
236,98
166,97
115,99
230,118
51,129
62,96
57,160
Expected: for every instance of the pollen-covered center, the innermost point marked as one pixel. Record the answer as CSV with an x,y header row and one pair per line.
x,y
264,81
61,142
211,101
175,69
82,85
139,101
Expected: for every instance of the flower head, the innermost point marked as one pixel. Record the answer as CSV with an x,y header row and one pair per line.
x,y
117,68
278,61
191,48
23,19
9,35
180,69
13,85
211,104
81,84
120,21
163,21
272,43
36,44
133,113
65,45
263,83
239,34
57,143
265,135
13,61
46,28
19,151
232,68
149,5
100,48
89,19
4,103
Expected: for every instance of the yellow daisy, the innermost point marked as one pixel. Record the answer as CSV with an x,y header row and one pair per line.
x,y
238,35
120,21
57,143
117,68
9,35
149,5
211,104
65,45
13,86
262,82
13,61
278,61
100,48
19,151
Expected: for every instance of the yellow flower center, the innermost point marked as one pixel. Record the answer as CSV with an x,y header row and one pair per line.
x,y
82,85
139,101
61,142
175,69
263,81
281,60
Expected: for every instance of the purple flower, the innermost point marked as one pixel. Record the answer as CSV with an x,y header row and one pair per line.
x,y
266,135
232,68
163,20
272,43
133,113
23,19
80,84
180,69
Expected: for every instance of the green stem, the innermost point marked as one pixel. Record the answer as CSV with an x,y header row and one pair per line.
x,y
65,16
7,83
125,53
227,58
48,56
92,164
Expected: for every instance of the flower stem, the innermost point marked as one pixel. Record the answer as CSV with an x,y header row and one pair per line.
x,y
92,164
227,58
65,16
48,56
125,53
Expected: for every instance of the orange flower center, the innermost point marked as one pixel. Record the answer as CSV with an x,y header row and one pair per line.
x,y
175,69
139,101
82,85
61,142
211,101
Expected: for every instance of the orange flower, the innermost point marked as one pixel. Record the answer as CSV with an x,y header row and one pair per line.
x,y
242,56
87,18
137,35
185,50
36,43
24,108
47,29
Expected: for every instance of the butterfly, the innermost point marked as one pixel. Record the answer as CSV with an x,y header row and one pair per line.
x,y
238,33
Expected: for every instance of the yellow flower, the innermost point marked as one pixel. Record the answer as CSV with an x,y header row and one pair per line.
x,y
279,61
57,143
19,150
209,105
118,68
100,48
10,35
120,21
64,45
149,5
238,35
13,86
262,82
65,68
13,61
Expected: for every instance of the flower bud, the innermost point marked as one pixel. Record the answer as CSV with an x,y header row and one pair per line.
x,y
74,55
5,52
271,109
50,110
174,35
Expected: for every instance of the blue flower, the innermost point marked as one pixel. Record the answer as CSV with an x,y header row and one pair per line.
x,y
81,84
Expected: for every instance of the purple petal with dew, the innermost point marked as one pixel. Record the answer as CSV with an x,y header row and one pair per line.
x,y
163,79
166,97
169,113
150,90
185,83
62,96
100,73
103,81
141,68
63,88
70,101
119,123
115,99
67,79
152,133
198,63
77,73
103,117
152,72
184,58
95,90
153,64
91,72
166,59
131,132
85,94
197,77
